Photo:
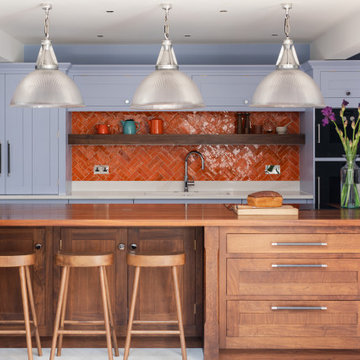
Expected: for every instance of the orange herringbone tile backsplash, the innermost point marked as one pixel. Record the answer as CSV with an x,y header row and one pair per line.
x,y
154,163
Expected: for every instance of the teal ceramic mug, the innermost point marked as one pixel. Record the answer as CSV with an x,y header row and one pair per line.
x,y
130,126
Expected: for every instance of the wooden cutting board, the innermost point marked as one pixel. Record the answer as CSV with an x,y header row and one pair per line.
x,y
252,210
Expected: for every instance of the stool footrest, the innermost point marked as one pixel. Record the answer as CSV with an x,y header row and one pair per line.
x,y
151,322
84,322
12,332
155,332
82,332
4,322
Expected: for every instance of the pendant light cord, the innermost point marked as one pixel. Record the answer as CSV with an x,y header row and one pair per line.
x,y
46,22
166,24
287,21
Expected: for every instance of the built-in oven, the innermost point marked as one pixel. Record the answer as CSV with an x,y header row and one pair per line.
x,y
329,158
327,184
327,141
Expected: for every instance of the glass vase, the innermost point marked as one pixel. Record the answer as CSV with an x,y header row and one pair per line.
x,y
350,184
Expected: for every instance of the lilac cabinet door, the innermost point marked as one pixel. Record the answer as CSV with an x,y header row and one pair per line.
x,y
45,151
227,90
18,142
2,135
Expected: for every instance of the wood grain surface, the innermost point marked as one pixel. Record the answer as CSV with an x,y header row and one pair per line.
x,y
95,215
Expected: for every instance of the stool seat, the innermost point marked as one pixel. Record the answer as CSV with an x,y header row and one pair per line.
x,y
16,260
84,259
155,260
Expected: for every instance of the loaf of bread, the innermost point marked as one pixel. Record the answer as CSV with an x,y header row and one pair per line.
x,y
265,199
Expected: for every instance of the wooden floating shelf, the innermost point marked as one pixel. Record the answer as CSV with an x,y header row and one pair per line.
x,y
187,139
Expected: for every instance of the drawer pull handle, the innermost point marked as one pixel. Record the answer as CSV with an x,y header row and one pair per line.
x,y
299,265
299,244
298,308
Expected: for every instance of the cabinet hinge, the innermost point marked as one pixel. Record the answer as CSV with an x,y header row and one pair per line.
x,y
194,309
60,244
195,245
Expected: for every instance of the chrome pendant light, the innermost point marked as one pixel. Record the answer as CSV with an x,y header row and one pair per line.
x,y
287,86
167,88
47,86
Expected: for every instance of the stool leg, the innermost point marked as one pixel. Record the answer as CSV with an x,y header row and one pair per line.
x,y
131,312
112,323
179,312
32,306
26,311
58,311
63,311
106,312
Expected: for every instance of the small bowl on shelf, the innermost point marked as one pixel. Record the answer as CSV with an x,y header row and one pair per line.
x,y
281,130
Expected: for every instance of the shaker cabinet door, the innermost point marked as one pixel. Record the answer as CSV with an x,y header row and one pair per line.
x,y
26,240
18,142
45,128
110,91
156,299
227,90
2,135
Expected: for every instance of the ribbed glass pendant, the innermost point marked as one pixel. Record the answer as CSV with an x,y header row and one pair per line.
x,y
287,86
47,86
167,88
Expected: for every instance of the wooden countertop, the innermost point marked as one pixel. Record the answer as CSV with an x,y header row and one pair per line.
x,y
161,215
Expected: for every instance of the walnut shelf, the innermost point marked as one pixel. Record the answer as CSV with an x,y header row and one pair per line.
x,y
187,139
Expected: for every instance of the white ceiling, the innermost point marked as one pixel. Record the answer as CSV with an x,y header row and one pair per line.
x,y
329,26
135,22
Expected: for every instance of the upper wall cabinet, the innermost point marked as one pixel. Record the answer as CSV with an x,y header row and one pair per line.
x,y
108,88
224,88
32,141
227,90
340,84
338,79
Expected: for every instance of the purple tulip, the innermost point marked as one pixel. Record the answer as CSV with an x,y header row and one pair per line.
x,y
344,103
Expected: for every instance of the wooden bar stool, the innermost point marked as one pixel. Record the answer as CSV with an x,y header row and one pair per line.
x,y
155,260
23,261
67,261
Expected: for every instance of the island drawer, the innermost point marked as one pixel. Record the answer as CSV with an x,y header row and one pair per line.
x,y
289,277
292,243
292,324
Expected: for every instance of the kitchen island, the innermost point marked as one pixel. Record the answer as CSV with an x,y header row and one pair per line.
x,y
269,282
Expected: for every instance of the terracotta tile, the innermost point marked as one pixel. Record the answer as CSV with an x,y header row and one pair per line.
x,y
156,163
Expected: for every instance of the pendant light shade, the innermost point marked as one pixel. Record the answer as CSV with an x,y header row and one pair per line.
x,y
47,86
167,88
287,86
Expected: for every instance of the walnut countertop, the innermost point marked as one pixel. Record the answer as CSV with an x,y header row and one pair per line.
x,y
161,215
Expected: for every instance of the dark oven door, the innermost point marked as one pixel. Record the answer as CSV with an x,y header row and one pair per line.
x,y
327,184
327,141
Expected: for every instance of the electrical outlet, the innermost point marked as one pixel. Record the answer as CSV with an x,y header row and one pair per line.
x,y
272,169
101,169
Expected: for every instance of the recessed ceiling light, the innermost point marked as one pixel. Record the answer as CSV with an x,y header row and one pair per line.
x,y
100,35
109,11
223,11
187,35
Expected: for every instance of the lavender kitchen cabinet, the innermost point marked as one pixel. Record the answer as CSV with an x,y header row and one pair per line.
x,y
109,87
33,142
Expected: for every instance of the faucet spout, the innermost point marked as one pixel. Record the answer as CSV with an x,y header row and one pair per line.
x,y
188,182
